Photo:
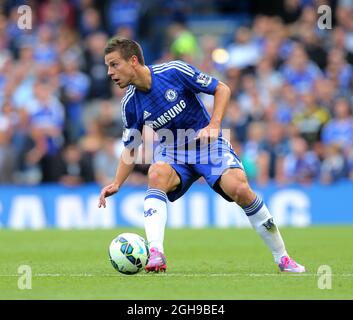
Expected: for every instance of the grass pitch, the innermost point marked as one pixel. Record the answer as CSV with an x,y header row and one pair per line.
x,y
202,264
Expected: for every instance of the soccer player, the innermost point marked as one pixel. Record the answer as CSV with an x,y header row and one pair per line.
x,y
165,97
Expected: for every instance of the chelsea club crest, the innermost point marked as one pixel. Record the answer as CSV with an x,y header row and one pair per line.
x,y
171,95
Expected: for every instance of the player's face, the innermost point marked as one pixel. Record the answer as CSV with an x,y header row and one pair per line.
x,y
120,71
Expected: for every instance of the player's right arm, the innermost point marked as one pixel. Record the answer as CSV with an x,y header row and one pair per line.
x,y
133,124
125,167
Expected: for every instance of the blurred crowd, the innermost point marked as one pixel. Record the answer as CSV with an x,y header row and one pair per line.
x,y
292,87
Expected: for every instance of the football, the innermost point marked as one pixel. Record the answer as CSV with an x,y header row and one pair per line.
x,y
128,253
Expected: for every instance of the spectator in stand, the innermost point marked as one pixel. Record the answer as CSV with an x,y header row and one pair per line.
x,y
279,46
325,93
68,42
46,126
6,66
313,47
308,21
12,36
237,121
339,71
338,41
8,157
92,141
55,13
90,22
291,10
334,165
95,68
310,119
274,149
339,129
111,125
122,13
251,100
287,104
269,80
23,76
44,49
271,49
74,168
300,165
344,14
243,52
75,86
209,62
299,71
184,44
261,28
16,121
251,151
106,160
233,77
7,29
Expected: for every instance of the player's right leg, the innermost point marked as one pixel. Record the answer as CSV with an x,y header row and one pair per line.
x,y
162,179
228,179
235,185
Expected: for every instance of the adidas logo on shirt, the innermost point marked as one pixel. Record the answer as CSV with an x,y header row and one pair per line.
x,y
146,114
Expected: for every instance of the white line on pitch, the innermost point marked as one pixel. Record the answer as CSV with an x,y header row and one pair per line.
x,y
53,275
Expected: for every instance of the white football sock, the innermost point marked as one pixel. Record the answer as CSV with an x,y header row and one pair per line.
x,y
155,213
262,221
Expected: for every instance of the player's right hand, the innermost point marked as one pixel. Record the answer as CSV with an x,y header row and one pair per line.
x,y
107,192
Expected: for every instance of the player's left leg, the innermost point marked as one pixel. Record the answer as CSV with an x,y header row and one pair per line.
x,y
234,184
162,178
165,182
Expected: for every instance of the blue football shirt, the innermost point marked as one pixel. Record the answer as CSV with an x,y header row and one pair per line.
x,y
171,103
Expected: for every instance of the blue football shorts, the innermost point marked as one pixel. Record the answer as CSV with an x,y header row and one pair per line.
x,y
199,160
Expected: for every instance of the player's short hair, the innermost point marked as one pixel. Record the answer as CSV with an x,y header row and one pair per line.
x,y
126,47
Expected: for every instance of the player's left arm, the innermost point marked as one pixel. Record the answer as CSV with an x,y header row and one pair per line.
x,y
222,96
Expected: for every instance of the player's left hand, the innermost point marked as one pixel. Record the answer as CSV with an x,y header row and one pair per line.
x,y
208,134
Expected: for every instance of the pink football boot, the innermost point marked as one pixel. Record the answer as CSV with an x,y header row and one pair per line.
x,y
156,262
289,265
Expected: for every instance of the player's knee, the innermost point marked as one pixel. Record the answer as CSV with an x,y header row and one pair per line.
x,y
159,175
240,193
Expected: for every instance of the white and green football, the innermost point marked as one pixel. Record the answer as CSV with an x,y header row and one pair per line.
x,y
129,253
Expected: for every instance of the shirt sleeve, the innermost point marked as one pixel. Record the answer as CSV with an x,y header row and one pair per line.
x,y
132,137
132,130
194,79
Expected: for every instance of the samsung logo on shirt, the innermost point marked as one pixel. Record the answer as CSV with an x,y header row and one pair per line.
x,y
168,115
